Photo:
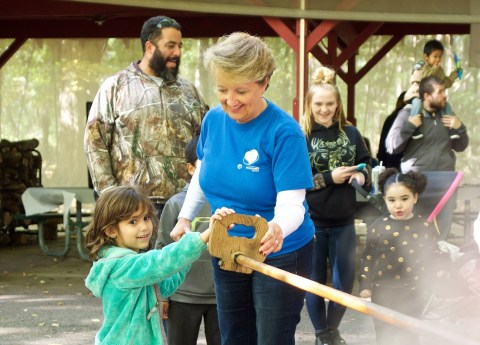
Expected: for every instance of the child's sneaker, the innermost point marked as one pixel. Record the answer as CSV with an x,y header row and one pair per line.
x,y
417,135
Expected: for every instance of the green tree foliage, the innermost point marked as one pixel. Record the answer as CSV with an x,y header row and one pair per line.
x,y
44,88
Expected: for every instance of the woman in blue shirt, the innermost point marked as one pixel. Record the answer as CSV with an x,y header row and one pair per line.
x,y
254,160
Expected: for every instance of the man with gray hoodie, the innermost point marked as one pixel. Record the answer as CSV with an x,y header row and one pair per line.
x,y
443,135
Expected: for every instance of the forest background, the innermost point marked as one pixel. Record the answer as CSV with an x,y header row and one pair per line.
x,y
45,86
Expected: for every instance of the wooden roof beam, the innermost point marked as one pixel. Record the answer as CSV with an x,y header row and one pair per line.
x,y
11,50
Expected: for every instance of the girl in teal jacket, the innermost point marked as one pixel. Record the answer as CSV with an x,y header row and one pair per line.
x,y
128,277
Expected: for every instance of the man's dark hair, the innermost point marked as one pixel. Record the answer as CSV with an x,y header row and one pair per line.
x,y
191,151
431,46
427,85
152,28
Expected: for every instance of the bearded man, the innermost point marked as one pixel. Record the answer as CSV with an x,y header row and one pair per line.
x,y
142,118
434,151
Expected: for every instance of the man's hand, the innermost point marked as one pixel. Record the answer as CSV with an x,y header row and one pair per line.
x,y
452,122
180,229
416,120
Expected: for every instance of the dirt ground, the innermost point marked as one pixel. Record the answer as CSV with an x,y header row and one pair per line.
x,y
43,301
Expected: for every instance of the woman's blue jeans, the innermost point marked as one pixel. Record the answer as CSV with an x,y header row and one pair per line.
x,y
256,309
334,248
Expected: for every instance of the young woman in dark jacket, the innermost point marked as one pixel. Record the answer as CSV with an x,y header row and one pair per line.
x,y
335,148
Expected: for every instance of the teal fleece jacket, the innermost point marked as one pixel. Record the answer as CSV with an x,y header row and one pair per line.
x,y
124,280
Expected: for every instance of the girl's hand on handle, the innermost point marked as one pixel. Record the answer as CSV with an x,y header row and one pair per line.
x,y
219,213
272,241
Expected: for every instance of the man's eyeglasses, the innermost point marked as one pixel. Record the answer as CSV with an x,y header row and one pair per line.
x,y
164,23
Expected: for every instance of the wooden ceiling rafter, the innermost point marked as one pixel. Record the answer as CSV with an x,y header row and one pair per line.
x,y
11,50
341,38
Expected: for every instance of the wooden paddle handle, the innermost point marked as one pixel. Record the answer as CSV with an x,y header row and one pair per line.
x,y
225,247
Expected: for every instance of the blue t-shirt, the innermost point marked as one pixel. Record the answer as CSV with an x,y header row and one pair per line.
x,y
244,166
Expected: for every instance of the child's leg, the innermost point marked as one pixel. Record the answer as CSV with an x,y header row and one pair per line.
x,y
416,108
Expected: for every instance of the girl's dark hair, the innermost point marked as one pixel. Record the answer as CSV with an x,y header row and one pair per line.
x,y
114,205
415,181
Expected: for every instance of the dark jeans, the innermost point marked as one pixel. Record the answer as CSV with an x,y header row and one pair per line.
x,y
184,320
256,309
335,247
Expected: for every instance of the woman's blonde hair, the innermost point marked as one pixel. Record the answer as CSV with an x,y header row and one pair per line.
x,y
114,205
244,57
323,79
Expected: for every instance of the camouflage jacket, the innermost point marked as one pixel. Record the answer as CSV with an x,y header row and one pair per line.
x,y
137,130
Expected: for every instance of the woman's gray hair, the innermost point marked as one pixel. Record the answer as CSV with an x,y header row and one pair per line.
x,y
242,56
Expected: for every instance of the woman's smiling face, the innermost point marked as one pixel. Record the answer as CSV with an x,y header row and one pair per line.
x,y
324,106
241,101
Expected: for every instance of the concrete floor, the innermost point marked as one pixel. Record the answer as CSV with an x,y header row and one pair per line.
x,y
43,301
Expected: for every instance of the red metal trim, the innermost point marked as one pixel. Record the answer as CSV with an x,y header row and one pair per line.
x,y
352,48
283,31
378,56
319,33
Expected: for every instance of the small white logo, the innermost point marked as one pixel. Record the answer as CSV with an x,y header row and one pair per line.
x,y
250,157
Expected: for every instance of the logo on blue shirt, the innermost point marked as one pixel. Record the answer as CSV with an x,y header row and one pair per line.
x,y
251,157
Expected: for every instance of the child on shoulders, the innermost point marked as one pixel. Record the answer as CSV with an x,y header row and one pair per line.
x,y
429,66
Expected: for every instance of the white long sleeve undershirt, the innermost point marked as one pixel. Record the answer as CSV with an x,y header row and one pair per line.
x,y
289,210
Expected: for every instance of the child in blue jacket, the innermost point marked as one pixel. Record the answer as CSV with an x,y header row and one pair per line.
x,y
128,276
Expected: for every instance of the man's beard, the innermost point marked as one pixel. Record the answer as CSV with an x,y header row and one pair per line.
x,y
438,105
158,65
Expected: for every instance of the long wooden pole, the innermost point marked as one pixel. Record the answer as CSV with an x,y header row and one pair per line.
x,y
388,315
